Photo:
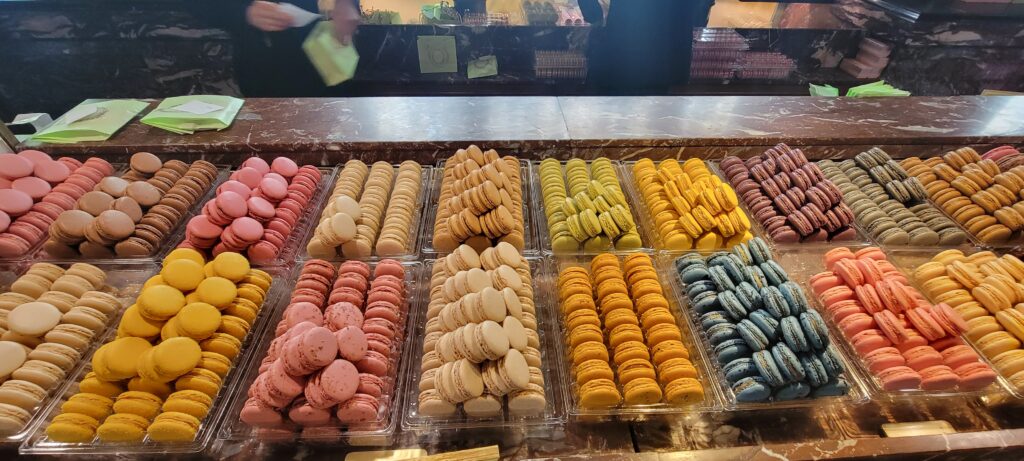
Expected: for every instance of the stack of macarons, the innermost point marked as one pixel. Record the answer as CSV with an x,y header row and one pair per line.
x,y
618,311
770,343
986,291
1006,157
904,341
890,206
690,207
790,196
48,318
131,214
976,192
335,365
369,212
255,210
585,205
480,203
35,189
174,347
481,350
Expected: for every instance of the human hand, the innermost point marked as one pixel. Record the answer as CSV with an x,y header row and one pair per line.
x,y
345,18
267,16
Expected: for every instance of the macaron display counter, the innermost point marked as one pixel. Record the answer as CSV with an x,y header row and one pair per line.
x,y
393,303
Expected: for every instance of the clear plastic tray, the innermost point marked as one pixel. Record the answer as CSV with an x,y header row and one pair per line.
x,y
906,260
857,394
124,280
176,234
712,397
646,222
378,432
530,247
553,414
290,251
411,250
759,229
541,220
801,265
39,443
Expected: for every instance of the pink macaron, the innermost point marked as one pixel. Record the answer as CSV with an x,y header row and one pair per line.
x,y
352,345
15,202
335,383
257,164
310,351
304,414
374,363
360,408
259,414
13,167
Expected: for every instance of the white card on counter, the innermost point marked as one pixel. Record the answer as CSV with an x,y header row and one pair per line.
x,y
197,107
300,17
79,113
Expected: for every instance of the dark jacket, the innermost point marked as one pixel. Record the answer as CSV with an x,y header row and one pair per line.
x,y
270,64
645,45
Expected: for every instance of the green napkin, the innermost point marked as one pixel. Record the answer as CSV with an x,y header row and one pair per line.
x,y
486,66
824,90
437,54
876,89
335,62
188,114
93,121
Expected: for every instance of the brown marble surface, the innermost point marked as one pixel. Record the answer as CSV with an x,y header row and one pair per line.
x,y
707,126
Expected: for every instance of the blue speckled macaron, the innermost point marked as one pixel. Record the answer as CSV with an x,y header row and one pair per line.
x,y
814,328
705,302
751,389
688,260
700,286
766,323
794,296
816,374
792,391
788,362
793,334
756,277
830,359
694,273
759,250
721,278
768,369
721,333
774,303
752,335
739,369
713,318
732,305
775,273
743,253
730,350
751,294
833,388
717,258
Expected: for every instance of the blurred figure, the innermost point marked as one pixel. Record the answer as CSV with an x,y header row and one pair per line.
x,y
269,60
645,46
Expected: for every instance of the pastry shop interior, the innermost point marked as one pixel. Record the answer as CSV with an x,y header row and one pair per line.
x,y
512,229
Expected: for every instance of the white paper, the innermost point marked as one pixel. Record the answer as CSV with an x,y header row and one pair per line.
x,y
197,107
79,113
300,17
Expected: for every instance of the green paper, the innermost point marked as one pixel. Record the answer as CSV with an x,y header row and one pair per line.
x,y
167,117
437,54
875,90
105,118
824,90
335,62
486,66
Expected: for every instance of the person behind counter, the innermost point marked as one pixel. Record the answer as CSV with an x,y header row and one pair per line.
x,y
269,60
645,46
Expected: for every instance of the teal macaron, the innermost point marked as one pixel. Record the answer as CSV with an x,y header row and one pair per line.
x,y
752,389
722,332
732,305
793,334
814,329
768,369
732,349
794,296
830,359
759,250
815,370
721,278
774,302
740,368
774,272
749,295
752,335
766,323
833,388
792,391
788,363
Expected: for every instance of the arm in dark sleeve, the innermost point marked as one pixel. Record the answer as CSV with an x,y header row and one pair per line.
x,y
592,12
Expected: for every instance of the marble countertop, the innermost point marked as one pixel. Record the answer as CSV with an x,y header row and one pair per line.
x,y
542,126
